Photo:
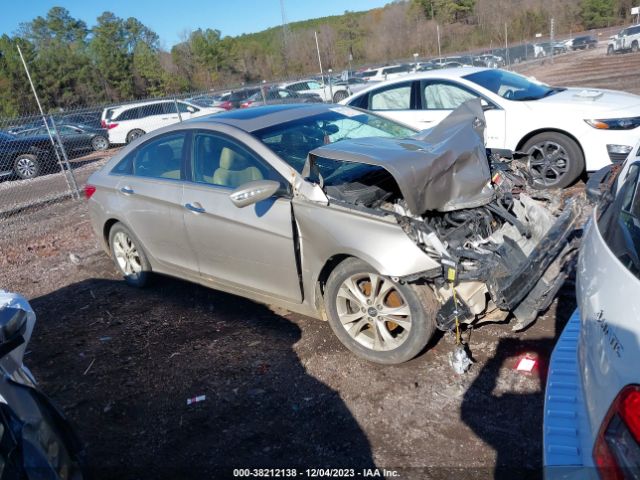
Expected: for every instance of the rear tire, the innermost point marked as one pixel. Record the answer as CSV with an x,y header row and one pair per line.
x,y
554,160
26,166
100,143
384,321
128,256
610,50
634,46
133,134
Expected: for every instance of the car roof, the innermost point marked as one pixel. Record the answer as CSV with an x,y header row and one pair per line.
x,y
252,119
444,73
142,104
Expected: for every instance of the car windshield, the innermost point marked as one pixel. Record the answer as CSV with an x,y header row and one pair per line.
x,y
511,85
292,141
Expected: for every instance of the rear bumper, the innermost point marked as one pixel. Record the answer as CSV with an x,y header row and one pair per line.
x,y
566,432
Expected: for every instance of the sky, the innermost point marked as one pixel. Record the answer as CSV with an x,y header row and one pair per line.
x,y
171,19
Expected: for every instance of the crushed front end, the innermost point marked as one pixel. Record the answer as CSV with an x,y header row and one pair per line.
x,y
502,245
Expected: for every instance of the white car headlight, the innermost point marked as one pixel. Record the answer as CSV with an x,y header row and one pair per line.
x,y
615,123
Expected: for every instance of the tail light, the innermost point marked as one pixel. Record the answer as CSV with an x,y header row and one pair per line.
x,y
89,190
246,104
111,125
617,448
103,123
227,105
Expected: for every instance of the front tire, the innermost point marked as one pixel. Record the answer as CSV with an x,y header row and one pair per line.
x,y
554,160
128,256
610,50
135,133
379,320
634,47
26,166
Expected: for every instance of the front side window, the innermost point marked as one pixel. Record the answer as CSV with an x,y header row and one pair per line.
x,y
619,221
158,158
444,96
397,97
217,160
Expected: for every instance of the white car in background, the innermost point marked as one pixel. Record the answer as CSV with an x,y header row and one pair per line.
x,y
389,72
128,122
563,131
333,93
592,398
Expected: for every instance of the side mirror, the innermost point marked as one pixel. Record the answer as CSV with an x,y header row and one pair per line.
x,y
253,192
486,105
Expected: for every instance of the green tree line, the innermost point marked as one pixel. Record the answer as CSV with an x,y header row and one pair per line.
x,y
73,64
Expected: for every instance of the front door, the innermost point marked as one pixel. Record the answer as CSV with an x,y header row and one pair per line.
x,y
252,247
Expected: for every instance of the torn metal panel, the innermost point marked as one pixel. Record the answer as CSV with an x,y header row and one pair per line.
x,y
443,169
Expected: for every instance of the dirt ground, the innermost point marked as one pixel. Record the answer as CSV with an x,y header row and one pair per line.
x,y
280,391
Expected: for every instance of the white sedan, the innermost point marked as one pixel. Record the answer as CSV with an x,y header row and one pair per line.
x,y
592,399
563,131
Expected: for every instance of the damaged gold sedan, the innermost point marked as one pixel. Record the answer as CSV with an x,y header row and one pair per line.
x,y
336,213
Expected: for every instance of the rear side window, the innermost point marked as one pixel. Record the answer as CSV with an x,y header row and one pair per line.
x,y
619,222
158,158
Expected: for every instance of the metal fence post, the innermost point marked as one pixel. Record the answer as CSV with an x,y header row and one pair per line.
x,y
175,102
67,166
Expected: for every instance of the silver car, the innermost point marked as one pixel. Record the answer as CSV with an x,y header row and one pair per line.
x,y
339,214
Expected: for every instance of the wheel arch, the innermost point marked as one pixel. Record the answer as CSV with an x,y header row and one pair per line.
x,y
533,133
321,281
106,230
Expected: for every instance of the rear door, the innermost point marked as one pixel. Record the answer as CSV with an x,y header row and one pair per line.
x,y
150,196
251,248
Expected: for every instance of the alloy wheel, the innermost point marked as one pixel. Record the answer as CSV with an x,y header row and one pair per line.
x,y
126,254
373,311
548,162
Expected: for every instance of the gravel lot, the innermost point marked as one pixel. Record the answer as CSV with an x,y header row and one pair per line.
x,y
280,389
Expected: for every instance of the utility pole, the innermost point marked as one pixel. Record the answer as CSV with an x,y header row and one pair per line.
x,y
285,39
438,33
318,49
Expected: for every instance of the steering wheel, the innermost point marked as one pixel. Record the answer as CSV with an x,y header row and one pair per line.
x,y
508,94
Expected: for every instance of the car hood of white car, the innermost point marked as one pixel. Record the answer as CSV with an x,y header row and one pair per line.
x,y
598,103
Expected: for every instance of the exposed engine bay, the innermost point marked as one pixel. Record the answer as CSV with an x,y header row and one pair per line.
x,y
502,245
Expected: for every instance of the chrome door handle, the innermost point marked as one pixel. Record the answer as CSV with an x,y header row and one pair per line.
x,y
127,190
196,208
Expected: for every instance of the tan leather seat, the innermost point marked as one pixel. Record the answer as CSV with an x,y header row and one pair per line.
x,y
234,170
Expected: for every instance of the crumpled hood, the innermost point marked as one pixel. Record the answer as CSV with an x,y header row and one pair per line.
x,y
444,168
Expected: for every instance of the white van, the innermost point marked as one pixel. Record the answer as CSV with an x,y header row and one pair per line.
x,y
128,122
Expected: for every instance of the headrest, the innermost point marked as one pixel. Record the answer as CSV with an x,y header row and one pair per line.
x,y
230,160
